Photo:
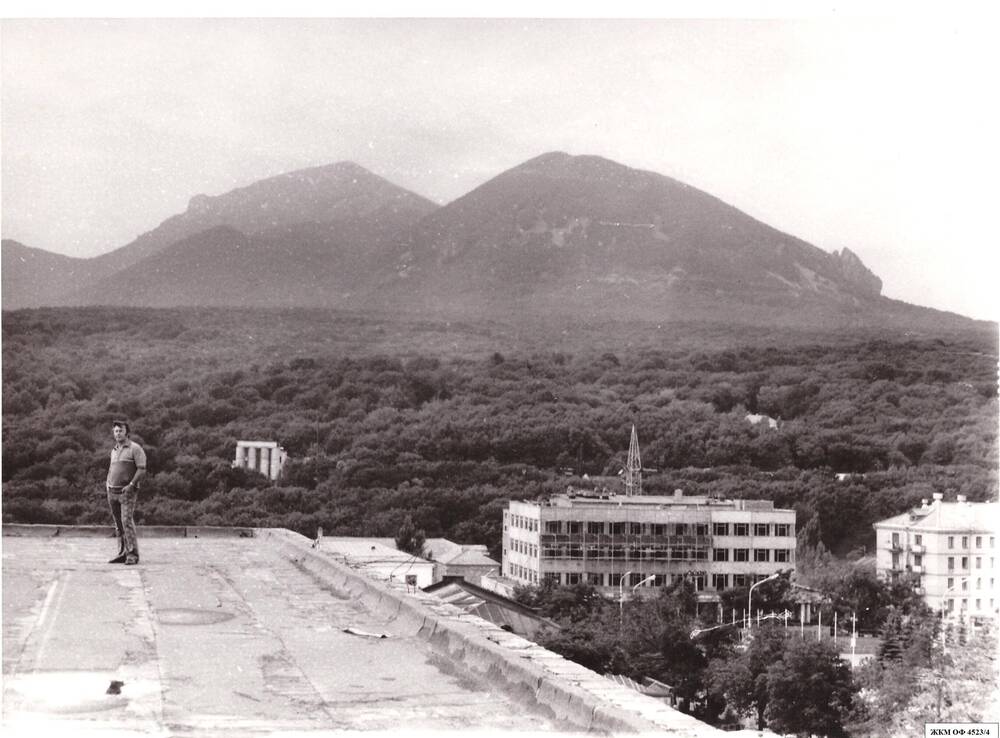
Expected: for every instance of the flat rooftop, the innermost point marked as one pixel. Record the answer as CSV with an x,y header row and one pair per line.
x,y
220,635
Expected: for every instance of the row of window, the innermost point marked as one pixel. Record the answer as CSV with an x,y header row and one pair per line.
x,y
520,521
524,547
918,540
523,573
719,582
594,527
964,583
653,553
965,563
949,604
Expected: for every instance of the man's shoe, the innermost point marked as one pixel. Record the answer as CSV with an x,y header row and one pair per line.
x,y
131,560
119,559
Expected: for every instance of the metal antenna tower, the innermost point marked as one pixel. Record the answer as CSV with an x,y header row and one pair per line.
x,y
633,467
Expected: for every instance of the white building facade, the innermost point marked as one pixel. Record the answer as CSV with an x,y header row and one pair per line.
x,y
950,550
611,541
266,457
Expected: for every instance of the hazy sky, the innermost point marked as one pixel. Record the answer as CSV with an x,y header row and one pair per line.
x,y
874,134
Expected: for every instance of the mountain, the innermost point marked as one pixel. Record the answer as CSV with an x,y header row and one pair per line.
x,y
33,277
333,193
587,236
560,235
306,237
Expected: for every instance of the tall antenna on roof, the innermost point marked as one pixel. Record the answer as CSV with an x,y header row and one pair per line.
x,y
633,467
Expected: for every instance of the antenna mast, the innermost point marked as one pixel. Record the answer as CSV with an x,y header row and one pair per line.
x,y
633,467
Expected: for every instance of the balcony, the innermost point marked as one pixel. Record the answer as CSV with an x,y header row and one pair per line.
x,y
917,569
917,548
894,546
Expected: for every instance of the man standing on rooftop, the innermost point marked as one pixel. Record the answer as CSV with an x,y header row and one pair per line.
x,y
128,467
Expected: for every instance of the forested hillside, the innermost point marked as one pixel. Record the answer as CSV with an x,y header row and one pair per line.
x,y
384,418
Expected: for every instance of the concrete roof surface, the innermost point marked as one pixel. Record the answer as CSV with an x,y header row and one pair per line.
x,y
217,636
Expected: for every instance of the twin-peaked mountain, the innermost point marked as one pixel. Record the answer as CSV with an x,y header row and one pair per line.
x,y
563,234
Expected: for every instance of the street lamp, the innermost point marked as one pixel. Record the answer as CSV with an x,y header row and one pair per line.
x,y
750,597
621,594
621,599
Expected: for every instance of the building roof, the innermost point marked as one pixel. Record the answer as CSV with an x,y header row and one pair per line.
x,y
979,517
368,550
678,500
219,636
439,550
499,610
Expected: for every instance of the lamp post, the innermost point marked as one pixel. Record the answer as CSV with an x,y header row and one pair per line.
x,y
750,598
621,600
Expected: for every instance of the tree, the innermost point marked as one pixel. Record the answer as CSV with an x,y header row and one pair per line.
x,y
410,539
810,691
742,680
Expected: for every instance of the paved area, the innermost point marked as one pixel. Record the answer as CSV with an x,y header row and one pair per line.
x,y
215,636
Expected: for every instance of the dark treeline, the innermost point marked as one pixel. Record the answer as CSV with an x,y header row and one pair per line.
x,y
445,422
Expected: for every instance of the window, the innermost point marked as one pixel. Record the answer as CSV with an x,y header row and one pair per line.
x,y
700,554
634,578
595,529
680,529
979,583
782,529
895,560
720,554
699,582
951,541
678,553
965,541
720,582
918,539
572,577
659,529
551,576
596,580
741,554
701,529
918,560
781,554
949,604
635,529
895,539
951,582
618,529
979,541
574,527
741,529
720,529
739,580
965,585
761,529
762,554
965,562
979,562
951,563
553,526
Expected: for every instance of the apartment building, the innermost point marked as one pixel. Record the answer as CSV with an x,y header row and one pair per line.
x,y
611,540
949,548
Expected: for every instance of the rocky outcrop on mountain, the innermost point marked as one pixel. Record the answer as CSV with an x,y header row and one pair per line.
x,y
856,274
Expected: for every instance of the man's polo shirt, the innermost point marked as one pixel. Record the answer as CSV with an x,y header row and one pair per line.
x,y
125,459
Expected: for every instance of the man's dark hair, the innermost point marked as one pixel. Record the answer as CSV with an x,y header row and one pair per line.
x,y
120,424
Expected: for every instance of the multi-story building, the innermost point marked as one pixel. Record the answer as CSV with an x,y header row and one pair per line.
x,y
613,541
949,548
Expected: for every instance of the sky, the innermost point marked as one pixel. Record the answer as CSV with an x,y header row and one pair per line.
x,y
873,133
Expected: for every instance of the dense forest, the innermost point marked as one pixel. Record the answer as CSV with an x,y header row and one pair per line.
x,y
388,417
